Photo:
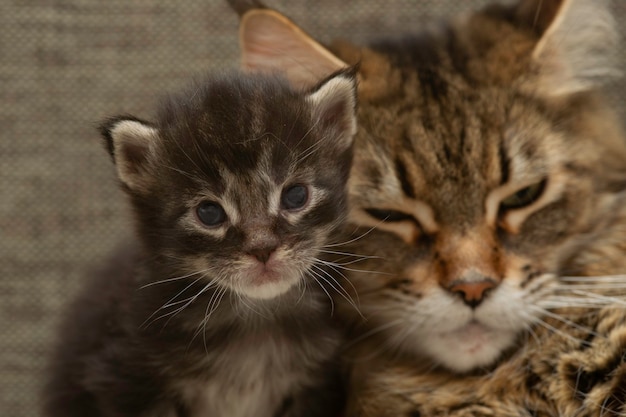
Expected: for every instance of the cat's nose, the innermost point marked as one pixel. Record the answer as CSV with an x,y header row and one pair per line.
x,y
263,254
472,292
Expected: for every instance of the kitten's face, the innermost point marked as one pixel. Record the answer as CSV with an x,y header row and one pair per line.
x,y
242,181
484,171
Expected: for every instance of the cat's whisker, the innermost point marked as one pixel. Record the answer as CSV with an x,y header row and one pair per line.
x,y
595,279
560,332
567,322
603,298
597,286
531,331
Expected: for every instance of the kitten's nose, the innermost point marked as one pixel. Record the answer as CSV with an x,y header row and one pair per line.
x,y
472,293
263,254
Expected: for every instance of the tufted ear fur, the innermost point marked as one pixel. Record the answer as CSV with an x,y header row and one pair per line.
x,y
577,48
130,142
334,107
270,42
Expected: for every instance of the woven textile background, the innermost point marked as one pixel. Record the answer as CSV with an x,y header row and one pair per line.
x,y
65,65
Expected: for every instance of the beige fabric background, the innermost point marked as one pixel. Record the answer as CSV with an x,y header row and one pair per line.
x,y
65,65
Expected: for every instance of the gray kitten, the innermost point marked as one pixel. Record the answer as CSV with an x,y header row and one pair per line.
x,y
215,311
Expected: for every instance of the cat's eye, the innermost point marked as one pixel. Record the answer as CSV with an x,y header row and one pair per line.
x,y
210,213
389,215
524,197
294,197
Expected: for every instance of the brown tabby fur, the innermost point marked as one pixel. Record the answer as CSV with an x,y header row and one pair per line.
x,y
507,95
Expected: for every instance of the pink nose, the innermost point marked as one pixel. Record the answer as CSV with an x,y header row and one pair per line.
x,y
262,254
472,293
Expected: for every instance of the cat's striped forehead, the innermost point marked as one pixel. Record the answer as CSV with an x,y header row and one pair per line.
x,y
451,149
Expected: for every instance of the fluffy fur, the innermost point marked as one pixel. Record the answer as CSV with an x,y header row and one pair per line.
x,y
489,187
220,306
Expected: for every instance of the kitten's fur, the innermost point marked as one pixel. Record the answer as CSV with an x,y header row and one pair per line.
x,y
487,170
222,318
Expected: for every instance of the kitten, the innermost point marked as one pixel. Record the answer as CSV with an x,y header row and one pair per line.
x,y
489,184
215,311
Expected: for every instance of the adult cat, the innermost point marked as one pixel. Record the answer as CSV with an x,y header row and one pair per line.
x,y
494,176
237,189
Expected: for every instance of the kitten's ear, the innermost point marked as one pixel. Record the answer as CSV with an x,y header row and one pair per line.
x,y
130,143
578,45
333,105
270,42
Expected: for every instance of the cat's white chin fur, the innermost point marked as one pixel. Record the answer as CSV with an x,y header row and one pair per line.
x,y
471,346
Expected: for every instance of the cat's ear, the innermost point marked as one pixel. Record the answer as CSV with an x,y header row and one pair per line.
x,y
270,42
130,143
578,45
333,104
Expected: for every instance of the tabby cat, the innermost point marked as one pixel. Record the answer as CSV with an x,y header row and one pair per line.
x,y
488,193
237,190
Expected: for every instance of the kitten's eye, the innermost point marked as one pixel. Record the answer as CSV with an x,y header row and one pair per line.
x,y
210,213
294,197
524,197
389,215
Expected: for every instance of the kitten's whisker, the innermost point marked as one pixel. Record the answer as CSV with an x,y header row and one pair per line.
x,y
374,331
163,281
244,301
332,303
365,271
302,286
169,301
194,298
309,151
355,255
218,294
208,315
332,266
180,171
361,236
182,149
330,280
